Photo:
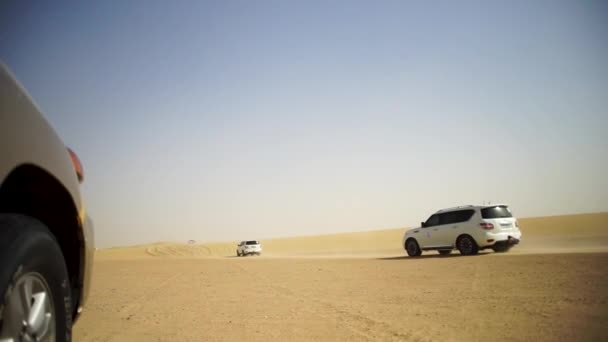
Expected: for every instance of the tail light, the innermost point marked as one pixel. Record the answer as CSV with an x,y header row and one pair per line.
x,y
516,224
77,165
486,226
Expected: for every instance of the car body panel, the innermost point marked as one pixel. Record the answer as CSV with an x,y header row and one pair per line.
x,y
443,234
27,138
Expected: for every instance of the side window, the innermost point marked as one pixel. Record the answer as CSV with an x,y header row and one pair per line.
x,y
456,216
466,215
462,216
446,218
432,221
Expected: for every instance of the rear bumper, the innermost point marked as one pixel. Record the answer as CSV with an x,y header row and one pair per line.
x,y
500,239
257,250
506,243
252,252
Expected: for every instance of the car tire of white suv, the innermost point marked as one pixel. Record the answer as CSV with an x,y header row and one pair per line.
x,y
467,245
36,302
412,248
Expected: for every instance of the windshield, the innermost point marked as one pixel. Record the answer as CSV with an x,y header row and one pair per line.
x,y
252,243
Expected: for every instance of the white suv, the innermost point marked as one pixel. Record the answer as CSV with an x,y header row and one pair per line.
x,y
467,228
249,247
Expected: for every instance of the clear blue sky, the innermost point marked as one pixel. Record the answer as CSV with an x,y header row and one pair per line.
x,y
229,120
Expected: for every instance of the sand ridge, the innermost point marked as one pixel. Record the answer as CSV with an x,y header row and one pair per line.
x,y
555,234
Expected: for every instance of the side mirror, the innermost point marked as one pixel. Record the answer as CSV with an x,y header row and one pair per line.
x,y
422,224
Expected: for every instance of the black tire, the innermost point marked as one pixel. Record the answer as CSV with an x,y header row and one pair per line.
x,y
467,245
412,248
445,251
29,251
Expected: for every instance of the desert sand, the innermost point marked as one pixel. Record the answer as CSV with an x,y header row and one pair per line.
x,y
356,286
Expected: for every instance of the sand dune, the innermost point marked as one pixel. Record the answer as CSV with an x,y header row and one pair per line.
x,y
356,287
557,234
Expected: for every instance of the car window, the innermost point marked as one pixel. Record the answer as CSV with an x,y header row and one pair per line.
x,y
445,218
432,221
456,216
462,216
500,211
251,242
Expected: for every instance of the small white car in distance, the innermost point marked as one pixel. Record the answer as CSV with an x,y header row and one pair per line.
x,y
249,247
467,228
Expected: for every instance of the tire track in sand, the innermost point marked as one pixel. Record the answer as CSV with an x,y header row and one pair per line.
x,y
127,311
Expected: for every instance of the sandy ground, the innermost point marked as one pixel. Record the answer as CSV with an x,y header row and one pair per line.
x,y
359,286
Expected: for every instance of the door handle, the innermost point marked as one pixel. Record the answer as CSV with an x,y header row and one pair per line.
x,y
454,227
435,229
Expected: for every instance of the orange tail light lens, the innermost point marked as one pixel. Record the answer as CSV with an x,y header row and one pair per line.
x,y
77,165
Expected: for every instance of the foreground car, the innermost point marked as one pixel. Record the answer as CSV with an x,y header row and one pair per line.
x,y
249,247
46,237
466,228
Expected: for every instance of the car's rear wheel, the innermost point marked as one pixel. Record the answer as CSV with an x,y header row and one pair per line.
x,y
35,302
445,251
466,245
412,248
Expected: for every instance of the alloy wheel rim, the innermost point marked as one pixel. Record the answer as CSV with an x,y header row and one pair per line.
x,y
28,313
411,247
466,244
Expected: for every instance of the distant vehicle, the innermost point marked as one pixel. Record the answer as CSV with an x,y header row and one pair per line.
x,y
249,247
468,228
46,237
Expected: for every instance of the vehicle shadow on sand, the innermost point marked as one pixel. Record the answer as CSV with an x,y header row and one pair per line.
x,y
429,256
242,257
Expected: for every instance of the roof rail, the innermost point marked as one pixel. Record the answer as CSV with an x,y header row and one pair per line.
x,y
498,204
458,207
